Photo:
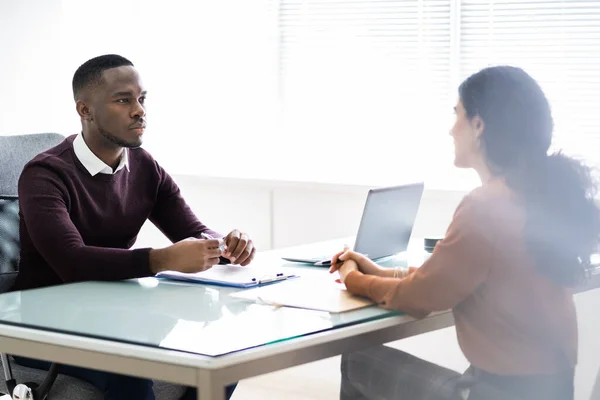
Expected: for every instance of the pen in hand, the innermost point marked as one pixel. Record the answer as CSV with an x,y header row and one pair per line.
x,y
222,245
336,263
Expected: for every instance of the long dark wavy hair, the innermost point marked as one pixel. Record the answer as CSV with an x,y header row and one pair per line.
x,y
562,228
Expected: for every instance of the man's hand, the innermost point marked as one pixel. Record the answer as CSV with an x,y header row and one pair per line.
x,y
188,256
240,249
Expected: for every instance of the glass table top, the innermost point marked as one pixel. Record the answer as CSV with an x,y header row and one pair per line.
x,y
193,318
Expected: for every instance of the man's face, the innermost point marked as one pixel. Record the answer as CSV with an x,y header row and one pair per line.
x,y
117,109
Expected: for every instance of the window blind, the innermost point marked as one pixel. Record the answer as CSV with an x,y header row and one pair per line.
x,y
365,78
558,43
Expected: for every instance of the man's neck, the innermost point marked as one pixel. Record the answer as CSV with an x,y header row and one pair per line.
x,y
110,154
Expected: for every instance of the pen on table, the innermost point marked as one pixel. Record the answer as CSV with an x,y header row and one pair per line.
x,y
278,277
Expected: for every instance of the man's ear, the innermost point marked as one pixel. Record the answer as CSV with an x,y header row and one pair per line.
x,y
83,110
478,125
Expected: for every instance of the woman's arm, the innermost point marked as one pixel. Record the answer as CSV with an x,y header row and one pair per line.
x,y
366,266
458,265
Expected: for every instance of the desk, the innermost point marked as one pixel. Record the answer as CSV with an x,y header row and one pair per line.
x,y
189,334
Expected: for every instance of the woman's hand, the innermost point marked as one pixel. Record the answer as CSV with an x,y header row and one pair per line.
x,y
363,264
345,269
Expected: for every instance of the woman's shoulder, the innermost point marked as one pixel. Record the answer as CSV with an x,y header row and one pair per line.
x,y
492,201
496,191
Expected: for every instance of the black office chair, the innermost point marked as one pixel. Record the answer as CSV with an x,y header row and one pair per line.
x,y
15,152
9,261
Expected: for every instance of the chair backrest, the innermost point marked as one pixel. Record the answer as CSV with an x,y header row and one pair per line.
x,y
18,150
15,152
9,235
596,388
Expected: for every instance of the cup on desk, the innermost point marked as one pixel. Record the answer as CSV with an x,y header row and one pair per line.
x,y
429,243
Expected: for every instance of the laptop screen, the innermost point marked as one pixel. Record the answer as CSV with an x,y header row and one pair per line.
x,y
388,219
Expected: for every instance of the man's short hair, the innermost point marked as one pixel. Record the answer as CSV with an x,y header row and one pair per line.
x,y
90,72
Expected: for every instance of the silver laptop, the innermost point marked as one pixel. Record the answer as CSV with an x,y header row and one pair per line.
x,y
385,227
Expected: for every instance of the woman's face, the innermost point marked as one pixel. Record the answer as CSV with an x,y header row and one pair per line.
x,y
465,133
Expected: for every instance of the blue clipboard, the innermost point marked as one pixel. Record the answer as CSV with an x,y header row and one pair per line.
x,y
230,276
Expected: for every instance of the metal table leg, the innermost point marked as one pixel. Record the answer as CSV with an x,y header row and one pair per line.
x,y
208,389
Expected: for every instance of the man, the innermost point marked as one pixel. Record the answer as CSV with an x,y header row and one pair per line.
x,y
84,201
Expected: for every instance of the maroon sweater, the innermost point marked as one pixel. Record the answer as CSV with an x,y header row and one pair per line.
x,y
75,227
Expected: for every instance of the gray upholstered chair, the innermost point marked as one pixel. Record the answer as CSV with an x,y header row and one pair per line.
x,y
596,389
15,152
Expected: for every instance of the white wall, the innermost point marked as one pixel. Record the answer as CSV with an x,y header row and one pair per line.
x,y
210,68
34,94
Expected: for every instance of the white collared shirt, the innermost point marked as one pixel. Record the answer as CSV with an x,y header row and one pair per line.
x,y
92,163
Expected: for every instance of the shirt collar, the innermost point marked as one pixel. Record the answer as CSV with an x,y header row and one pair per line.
x,y
92,163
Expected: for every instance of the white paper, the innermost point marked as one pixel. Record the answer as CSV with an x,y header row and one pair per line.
x,y
312,294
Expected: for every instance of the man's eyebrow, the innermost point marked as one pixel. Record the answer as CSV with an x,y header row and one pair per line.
x,y
127,94
121,94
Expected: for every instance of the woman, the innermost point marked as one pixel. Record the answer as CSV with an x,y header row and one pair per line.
x,y
515,248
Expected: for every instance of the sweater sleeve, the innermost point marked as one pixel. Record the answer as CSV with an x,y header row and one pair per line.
x,y
458,265
172,215
44,204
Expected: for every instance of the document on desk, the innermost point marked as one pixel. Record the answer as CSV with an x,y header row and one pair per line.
x,y
231,275
311,294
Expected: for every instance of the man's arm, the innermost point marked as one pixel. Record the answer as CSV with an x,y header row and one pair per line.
x,y
172,215
175,219
42,198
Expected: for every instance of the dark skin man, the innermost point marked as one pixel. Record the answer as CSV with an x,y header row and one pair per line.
x,y
113,117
